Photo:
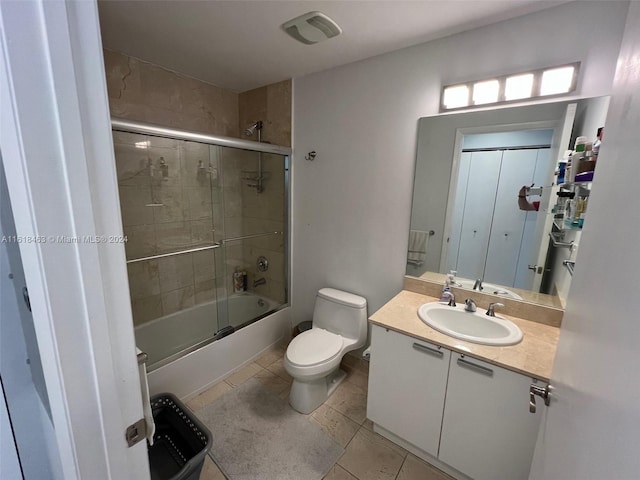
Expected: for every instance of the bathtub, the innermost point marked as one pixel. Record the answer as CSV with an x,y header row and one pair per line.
x,y
168,338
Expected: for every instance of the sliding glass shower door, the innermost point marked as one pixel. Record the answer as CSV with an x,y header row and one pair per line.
x,y
206,239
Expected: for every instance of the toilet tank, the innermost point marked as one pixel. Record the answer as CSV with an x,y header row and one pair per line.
x,y
342,313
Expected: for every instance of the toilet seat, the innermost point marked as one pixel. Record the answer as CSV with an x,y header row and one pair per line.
x,y
313,347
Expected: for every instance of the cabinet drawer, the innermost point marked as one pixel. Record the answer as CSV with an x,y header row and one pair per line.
x,y
407,382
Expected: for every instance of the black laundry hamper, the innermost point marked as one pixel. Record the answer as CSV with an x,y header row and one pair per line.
x,y
180,442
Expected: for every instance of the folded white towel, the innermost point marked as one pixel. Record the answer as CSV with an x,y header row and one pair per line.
x,y
417,251
146,401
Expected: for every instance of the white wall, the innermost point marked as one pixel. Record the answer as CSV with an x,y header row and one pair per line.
x,y
351,206
591,428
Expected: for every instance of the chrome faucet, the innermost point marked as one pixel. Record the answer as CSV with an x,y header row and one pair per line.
x,y
478,285
470,305
259,281
452,297
492,307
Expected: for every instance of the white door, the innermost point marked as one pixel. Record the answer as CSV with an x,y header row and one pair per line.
x,y
591,428
542,177
58,158
507,228
458,211
484,172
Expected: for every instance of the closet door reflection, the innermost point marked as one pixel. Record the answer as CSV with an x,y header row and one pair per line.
x,y
479,200
491,238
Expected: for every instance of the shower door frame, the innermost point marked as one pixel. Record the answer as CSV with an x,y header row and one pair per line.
x,y
142,128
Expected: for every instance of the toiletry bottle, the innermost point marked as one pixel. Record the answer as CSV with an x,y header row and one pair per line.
x,y
238,281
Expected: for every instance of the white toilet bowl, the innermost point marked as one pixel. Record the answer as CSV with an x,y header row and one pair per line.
x,y
313,357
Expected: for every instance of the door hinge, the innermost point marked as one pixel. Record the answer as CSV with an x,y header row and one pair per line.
x,y
136,432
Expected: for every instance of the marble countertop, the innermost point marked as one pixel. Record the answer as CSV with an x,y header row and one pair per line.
x,y
533,356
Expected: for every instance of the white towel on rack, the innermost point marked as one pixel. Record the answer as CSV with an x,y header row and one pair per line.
x,y
146,401
417,252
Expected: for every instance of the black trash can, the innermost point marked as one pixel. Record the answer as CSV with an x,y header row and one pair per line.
x,y
180,442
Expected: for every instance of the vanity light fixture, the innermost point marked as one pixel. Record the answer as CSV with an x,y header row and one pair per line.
x,y
556,80
486,92
518,86
544,82
456,96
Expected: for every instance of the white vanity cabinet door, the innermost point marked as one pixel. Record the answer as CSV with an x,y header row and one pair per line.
x,y
407,383
487,430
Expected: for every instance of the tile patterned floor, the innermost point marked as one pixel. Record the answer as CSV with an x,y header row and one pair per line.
x,y
367,456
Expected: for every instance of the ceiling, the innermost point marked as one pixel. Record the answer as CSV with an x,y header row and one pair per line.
x,y
238,44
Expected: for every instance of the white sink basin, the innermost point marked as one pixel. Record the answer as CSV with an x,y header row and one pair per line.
x,y
490,288
476,327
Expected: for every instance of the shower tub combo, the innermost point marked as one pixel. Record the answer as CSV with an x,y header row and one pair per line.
x,y
207,222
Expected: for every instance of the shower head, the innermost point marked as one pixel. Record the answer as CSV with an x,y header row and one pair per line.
x,y
251,129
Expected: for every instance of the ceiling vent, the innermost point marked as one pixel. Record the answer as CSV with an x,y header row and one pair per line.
x,y
312,27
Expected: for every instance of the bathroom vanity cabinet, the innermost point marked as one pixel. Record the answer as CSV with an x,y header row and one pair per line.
x,y
466,413
407,384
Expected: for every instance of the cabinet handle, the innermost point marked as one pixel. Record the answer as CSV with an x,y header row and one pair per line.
x,y
425,349
472,366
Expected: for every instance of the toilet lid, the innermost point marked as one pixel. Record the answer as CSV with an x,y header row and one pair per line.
x,y
314,346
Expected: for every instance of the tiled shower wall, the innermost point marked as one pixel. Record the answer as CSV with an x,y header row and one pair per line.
x,y
146,92
167,199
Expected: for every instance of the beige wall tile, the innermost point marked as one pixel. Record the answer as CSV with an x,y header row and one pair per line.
x,y
172,236
170,203
146,309
140,90
177,300
144,279
201,232
134,201
204,265
205,291
141,241
272,105
175,272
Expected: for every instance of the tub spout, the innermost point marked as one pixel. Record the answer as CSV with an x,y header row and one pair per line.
x,y
259,281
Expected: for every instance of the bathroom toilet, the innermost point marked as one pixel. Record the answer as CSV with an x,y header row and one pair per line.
x,y
313,357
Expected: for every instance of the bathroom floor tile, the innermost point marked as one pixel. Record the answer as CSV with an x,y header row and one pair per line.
x,y
243,374
274,383
414,468
277,367
368,424
358,378
335,424
350,400
208,396
372,457
353,363
339,473
269,357
210,471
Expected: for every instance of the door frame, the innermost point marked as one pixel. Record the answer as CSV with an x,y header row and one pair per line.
x,y
59,163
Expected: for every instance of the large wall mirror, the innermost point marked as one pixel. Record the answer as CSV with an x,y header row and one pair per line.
x,y
468,214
